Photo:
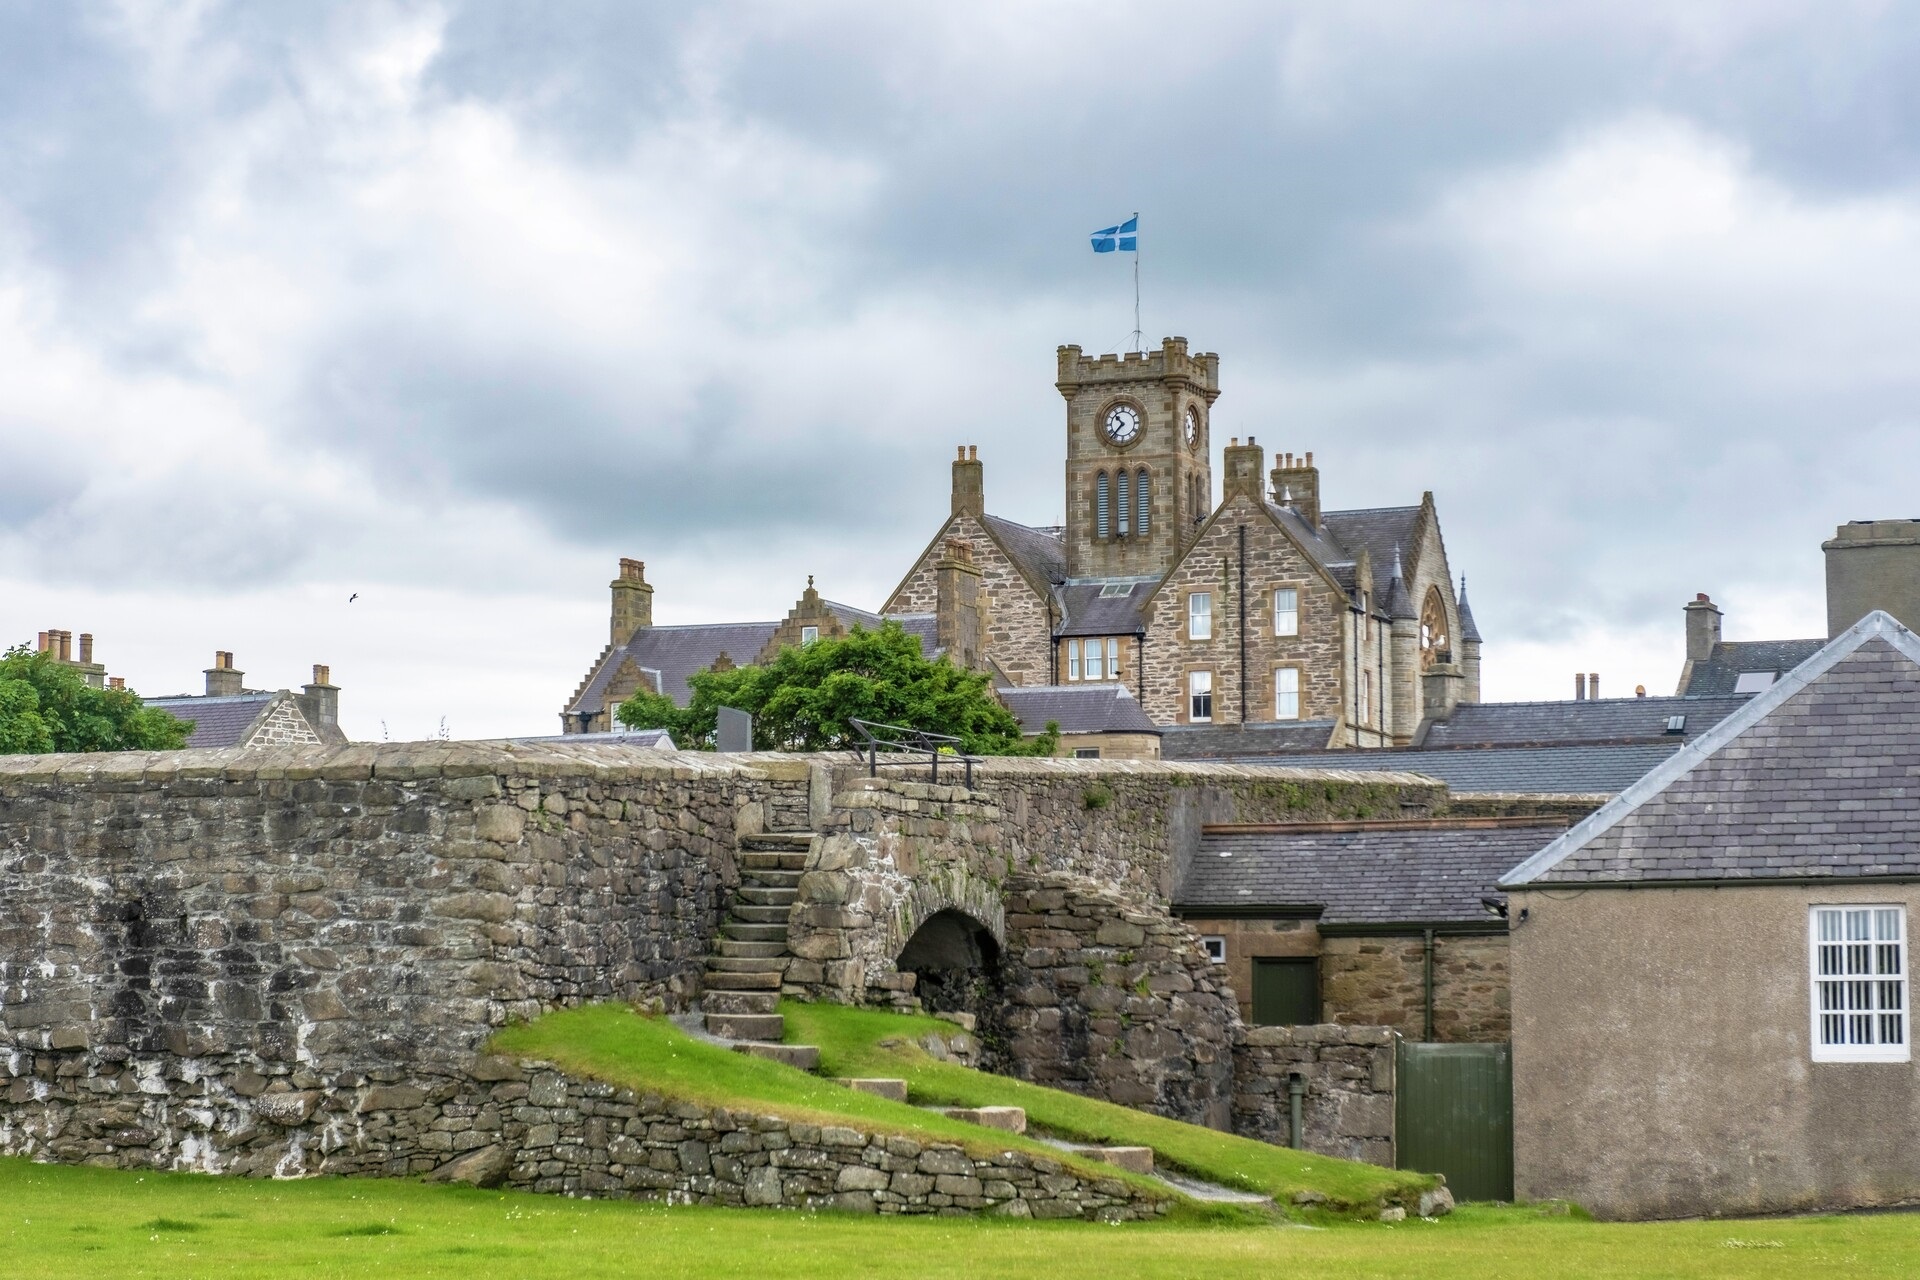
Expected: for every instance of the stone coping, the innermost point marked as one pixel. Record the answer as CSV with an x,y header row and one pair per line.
x,y
403,761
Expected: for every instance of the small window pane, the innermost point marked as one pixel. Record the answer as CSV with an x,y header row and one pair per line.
x,y
1286,693
1286,612
809,634
1113,657
1200,696
1125,496
1216,949
1073,660
1200,616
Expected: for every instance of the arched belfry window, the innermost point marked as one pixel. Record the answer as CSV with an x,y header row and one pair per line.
x,y
1100,525
1144,503
1125,504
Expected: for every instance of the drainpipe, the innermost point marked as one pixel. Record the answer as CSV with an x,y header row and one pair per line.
x,y
1296,1093
1243,624
1426,941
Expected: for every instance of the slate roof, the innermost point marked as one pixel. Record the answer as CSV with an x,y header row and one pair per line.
x,y
1236,741
1040,553
1816,777
1730,659
1377,873
1079,708
646,739
1577,721
1381,530
1089,613
217,721
678,652
1590,769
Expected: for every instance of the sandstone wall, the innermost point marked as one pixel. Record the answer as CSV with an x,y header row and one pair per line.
x,y
1019,627
1348,1107
1380,981
505,1123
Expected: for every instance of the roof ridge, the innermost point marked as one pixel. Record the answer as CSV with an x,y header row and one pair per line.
x,y
1696,752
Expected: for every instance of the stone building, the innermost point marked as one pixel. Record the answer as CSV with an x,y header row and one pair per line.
x,y
1263,609
229,714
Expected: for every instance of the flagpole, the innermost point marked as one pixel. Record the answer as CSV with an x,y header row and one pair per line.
x,y
1138,337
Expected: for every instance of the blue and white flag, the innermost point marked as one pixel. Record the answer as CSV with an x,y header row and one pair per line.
x,y
1122,237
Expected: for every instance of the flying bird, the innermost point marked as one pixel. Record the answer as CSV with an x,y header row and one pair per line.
x,y
353,597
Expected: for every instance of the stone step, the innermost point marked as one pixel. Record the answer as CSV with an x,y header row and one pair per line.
x,y
893,1090
1132,1159
765,1001
772,860
804,1056
765,897
721,980
1006,1119
745,931
779,840
732,949
773,882
775,965
746,1026
754,913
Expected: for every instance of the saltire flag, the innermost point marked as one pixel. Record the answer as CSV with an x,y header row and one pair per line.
x,y
1123,237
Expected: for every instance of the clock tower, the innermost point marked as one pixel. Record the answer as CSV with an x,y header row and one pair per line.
x,y
1139,480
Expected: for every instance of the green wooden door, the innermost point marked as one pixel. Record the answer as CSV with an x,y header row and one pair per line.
x,y
1453,1113
1286,993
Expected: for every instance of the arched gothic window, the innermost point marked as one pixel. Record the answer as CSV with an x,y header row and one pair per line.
x,y
1125,496
1144,503
1100,525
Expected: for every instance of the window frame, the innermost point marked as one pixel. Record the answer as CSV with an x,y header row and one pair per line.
x,y
1293,631
1086,753
1113,657
1073,662
1215,945
1278,672
1194,693
809,635
1879,1050
1206,612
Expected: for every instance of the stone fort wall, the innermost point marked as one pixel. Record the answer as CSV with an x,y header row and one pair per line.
x,y
230,960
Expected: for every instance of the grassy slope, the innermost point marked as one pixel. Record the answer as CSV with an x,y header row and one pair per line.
x,y
851,1044
64,1222
611,1042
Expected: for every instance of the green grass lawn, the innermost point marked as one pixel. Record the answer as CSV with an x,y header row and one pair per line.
x,y
866,1042
67,1222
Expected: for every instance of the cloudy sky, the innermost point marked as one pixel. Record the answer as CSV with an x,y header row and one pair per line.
x,y
452,304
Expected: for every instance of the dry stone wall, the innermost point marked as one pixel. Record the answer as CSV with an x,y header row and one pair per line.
x,y
506,1123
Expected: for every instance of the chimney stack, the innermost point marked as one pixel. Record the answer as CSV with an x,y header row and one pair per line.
x,y
223,680
1440,690
1298,480
321,700
1242,464
959,626
632,602
1873,564
1703,628
116,682
969,482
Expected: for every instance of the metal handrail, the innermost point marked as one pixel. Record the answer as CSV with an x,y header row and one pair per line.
x,y
894,737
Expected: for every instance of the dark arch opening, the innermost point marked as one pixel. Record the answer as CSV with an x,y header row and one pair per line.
x,y
956,966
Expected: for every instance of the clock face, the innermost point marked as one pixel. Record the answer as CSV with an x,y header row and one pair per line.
x,y
1123,424
1193,427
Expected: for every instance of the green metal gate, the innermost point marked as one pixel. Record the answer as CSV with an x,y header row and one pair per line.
x,y
1453,1114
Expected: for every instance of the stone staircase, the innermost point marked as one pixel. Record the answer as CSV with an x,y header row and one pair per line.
x,y
749,960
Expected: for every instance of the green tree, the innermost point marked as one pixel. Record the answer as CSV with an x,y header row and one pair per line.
x,y
805,698
46,706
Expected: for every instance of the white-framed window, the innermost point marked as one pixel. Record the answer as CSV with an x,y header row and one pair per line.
x,y
1200,696
1073,660
1286,611
1286,693
1216,948
1200,616
1859,969
809,634
1086,753
1113,657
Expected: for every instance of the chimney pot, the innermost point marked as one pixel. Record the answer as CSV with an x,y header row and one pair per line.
x,y
43,642
86,648
1702,598
1639,691
973,453
1593,684
116,682
1579,686
1309,457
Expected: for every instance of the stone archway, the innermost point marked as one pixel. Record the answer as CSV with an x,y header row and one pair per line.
x,y
955,961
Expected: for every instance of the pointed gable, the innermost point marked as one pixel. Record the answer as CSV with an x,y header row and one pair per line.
x,y
1817,777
